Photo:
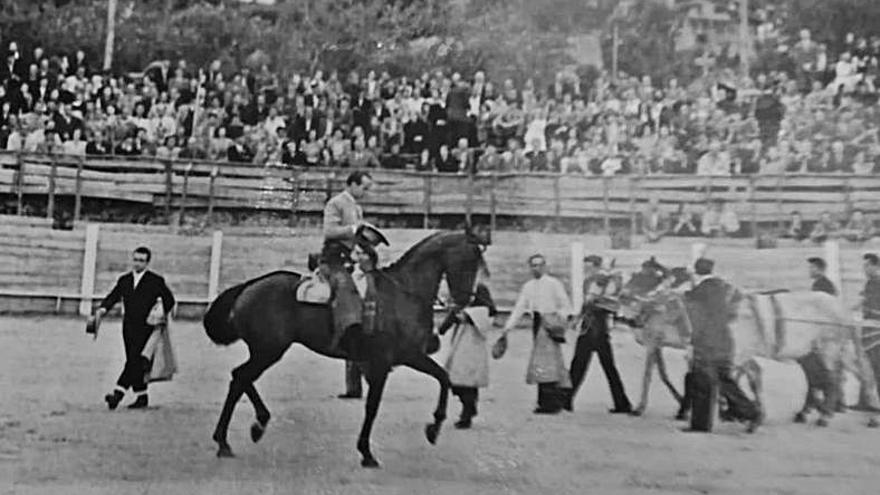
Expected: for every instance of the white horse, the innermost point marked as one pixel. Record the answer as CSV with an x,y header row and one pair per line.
x,y
780,326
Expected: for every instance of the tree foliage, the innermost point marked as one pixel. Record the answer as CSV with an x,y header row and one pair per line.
x,y
646,40
830,20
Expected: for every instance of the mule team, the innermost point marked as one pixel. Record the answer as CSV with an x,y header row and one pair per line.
x,y
393,325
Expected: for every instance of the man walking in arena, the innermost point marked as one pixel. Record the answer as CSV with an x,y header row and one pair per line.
x,y
594,337
710,310
544,297
138,290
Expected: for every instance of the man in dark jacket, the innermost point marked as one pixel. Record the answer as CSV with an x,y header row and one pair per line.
x,y
594,337
711,306
820,281
138,289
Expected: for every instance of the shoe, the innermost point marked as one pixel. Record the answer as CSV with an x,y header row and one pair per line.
x,y
348,396
113,399
463,423
139,403
568,401
621,410
546,410
693,430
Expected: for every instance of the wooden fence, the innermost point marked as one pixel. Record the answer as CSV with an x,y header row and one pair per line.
x,y
175,186
47,270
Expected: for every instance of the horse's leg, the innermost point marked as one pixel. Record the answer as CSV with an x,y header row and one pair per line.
x,y
376,375
753,374
260,409
829,387
243,378
661,368
235,391
428,366
650,358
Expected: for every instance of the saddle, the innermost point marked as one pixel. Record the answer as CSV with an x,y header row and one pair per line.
x,y
313,288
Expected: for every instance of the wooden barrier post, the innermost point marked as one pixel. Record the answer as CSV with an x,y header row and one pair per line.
x,y
77,199
577,274
426,198
469,201
557,204
632,205
754,208
183,194
19,185
605,206
493,202
169,174
214,173
90,263
780,182
294,199
53,170
214,271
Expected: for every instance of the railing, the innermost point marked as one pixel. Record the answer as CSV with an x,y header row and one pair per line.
x,y
178,185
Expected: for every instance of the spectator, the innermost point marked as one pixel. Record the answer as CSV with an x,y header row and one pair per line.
x,y
796,229
826,228
859,228
239,152
445,161
684,223
393,161
654,224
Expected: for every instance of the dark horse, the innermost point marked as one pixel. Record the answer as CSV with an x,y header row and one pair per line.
x,y
263,312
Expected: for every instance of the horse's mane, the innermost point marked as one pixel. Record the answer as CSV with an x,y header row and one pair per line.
x,y
415,250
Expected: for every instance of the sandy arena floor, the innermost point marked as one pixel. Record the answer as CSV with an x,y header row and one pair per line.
x,y
57,436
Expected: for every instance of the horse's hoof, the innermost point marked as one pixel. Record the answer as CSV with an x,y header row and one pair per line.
x,y
257,431
800,418
225,452
681,416
637,412
822,422
432,431
370,463
873,423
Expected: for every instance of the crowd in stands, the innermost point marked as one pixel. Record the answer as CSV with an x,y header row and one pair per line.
x,y
817,113
718,219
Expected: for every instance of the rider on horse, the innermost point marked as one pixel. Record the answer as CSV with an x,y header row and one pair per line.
x,y
344,228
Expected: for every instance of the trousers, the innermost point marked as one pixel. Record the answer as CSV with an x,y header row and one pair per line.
x,y
598,341
134,337
711,378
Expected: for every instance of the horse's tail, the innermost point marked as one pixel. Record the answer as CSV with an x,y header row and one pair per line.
x,y
217,322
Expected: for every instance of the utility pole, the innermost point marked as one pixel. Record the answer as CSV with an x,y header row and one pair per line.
x,y
615,45
744,44
111,34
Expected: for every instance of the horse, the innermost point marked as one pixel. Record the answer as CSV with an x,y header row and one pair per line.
x,y
654,325
265,314
776,325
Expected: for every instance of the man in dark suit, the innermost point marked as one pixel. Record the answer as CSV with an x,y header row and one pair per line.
x,y
138,289
814,368
594,338
711,306
820,281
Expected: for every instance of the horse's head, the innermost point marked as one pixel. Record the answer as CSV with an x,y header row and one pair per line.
x,y
462,261
457,255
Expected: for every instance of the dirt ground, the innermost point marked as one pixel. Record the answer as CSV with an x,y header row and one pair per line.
x,y
57,436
